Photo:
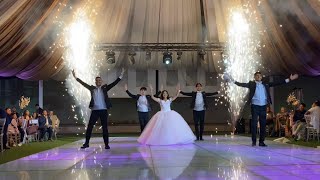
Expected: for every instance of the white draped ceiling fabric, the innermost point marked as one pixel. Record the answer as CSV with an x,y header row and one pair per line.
x,y
292,37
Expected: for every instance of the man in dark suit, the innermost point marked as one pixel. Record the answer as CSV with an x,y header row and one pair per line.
x,y
143,105
45,125
99,104
259,95
199,105
39,110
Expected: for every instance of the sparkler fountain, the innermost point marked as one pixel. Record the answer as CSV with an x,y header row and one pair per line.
x,y
80,57
241,61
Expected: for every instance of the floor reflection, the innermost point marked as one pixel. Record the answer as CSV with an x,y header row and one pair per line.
x,y
172,163
215,158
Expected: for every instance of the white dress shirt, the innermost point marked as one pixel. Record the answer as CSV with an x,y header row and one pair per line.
x,y
142,104
260,96
199,103
98,97
47,121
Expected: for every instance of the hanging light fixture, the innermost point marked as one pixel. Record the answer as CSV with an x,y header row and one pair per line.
x,y
148,56
167,57
179,54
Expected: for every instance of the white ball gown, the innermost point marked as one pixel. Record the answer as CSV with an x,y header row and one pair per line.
x,y
166,127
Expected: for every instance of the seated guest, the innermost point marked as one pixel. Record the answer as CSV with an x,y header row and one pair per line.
x,y
45,125
26,116
34,116
13,130
299,122
55,121
270,121
314,114
282,122
21,127
32,127
23,124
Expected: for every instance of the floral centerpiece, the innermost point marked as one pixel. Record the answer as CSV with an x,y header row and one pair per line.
x,y
24,102
292,101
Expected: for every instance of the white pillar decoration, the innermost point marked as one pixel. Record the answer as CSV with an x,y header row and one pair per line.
x,y
41,93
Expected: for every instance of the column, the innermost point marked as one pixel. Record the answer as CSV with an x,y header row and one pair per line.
x,y
41,93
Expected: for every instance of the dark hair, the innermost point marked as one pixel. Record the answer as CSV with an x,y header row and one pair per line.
x,y
37,105
98,77
317,103
143,88
303,104
198,84
161,95
25,113
258,72
11,115
43,111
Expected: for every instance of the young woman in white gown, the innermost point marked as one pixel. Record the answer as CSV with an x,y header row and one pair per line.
x,y
166,127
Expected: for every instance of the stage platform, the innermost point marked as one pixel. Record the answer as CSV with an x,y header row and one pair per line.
x,y
216,157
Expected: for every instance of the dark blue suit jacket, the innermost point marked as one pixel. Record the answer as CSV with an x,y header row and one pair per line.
x,y
42,121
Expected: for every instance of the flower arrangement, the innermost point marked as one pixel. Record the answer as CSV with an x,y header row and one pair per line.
x,y
24,102
292,100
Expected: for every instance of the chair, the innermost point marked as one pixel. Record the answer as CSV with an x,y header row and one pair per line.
x,y
267,130
34,136
283,127
312,132
24,128
37,134
13,133
2,123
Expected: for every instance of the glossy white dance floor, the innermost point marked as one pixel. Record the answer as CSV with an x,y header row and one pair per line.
x,y
218,157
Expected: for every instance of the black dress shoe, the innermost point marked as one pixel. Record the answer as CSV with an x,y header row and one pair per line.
x,y
262,144
254,144
107,147
84,146
201,139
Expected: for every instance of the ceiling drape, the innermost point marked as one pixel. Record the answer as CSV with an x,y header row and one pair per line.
x,y
28,34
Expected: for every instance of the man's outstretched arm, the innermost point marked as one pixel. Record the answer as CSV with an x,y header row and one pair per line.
x,y
129,93
212,94
80,81
291,78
